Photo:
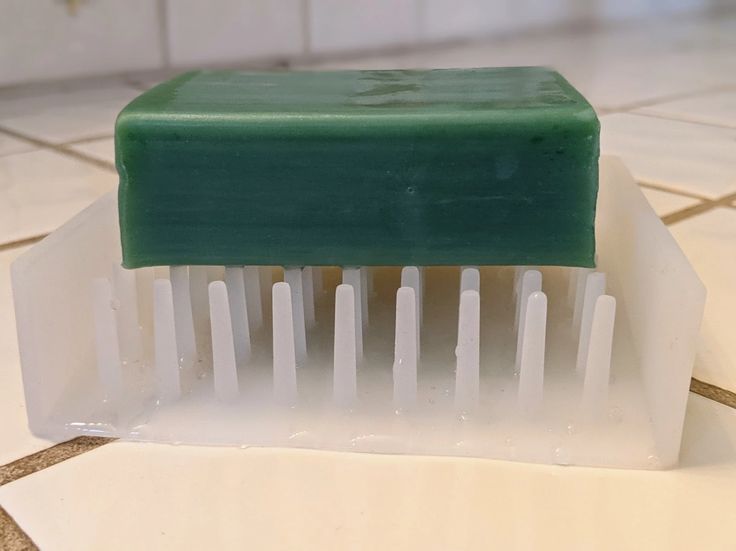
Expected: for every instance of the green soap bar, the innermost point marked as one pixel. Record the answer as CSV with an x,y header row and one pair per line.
x,y
442,167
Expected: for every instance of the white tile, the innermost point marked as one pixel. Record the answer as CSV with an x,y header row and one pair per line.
x,y
42,189
9,145
43,40
231,30
59,114
665,203
709,241
132,496
443,20
336,25
103,149
718,109
684,156
17,441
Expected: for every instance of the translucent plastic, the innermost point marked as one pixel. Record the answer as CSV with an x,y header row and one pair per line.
x,y
541,364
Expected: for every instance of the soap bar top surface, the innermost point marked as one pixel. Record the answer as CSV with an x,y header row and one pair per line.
x,y
466,166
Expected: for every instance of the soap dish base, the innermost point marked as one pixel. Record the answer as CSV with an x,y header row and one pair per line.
x,y
407,392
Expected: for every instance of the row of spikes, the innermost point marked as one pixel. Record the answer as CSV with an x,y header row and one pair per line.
x,y
236,299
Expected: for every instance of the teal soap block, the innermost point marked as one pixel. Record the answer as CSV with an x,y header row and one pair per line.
x,y
441,167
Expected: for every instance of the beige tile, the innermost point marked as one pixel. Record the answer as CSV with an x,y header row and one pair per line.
x,y
709,241
717,109
232,31
665,203
43,40
9,145
60,114
42,189
337,26
678,155
103,149
17,441
130,496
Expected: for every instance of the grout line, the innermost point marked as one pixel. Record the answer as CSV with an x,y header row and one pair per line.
x,y
21,242
686,120
88,139
59,148
50,456
306,10
660,187
12,536
700,208
713,392
163,32
627,107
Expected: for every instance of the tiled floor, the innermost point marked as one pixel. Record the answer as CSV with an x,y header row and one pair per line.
x,y
667,95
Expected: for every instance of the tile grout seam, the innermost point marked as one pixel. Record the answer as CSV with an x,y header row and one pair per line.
x,y
12,536
48,457
631,107
664,188
681,119
700,208
62,149
22,242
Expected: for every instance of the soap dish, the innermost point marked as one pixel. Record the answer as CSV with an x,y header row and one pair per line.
x,y
537,364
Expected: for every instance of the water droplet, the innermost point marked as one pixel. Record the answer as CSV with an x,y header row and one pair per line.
x,y
508,441
571,429
114,304
615,414
562,456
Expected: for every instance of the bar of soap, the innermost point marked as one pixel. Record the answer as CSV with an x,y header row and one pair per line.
x,y
355,168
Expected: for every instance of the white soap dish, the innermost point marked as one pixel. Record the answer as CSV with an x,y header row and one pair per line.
x,y
512,363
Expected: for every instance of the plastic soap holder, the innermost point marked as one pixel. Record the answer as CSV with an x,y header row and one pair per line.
x,y
547,364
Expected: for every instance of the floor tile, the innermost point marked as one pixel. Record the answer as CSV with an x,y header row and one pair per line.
x,y
709,241
42,189
60,114
665,203
103,149
16,439
9,145
682,156
130,496
717,109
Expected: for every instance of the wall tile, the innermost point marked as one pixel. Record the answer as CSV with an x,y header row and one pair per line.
x,y
339,25
443,20
232,30
41,40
